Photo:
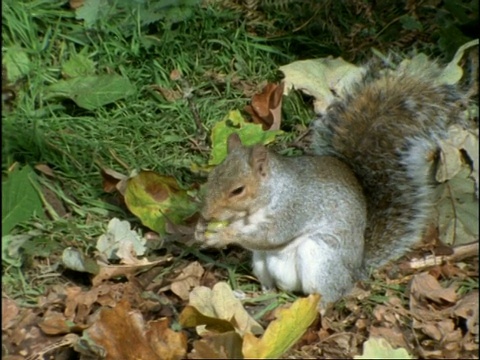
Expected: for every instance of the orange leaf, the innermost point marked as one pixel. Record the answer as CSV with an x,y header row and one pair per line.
x,y
123,334
266,107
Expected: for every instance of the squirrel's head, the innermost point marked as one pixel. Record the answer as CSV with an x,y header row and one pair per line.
x,y
234,187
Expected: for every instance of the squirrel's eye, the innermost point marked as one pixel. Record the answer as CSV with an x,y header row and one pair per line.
x,y
237,191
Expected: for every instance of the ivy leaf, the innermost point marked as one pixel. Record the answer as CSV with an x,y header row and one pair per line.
x,y
249,133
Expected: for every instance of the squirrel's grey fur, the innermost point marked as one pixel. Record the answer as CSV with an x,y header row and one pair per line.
x,y
316,223
387,130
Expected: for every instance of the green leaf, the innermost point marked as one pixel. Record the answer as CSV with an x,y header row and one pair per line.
x,y
249,133
20,199
91,92
78,65
410,23
154,198
91,11
16,62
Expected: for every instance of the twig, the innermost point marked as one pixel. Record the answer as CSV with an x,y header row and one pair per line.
x,y
459,253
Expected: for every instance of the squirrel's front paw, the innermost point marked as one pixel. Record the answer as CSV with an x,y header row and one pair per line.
x,y
200,230
219,234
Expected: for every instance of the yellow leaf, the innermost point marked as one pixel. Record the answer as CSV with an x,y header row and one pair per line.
x,y
283,332
154,198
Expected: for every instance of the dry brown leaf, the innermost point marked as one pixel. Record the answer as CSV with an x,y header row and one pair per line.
x,y
45,169
10,311
175,75
226,345
425,286
54,323
467,308
75,4
113,181
123,334
187,280
393,335
170,95
204,350
266,107
168,344
110,271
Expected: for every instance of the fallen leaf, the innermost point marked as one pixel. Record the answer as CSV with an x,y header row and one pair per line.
x,y
121,242
457,210
467,308
324,79
20,198
46,170
266,107
425,286
93,91
171,95
379,348
192,317
78,65
121,333
249,133
188,278
55,323
284,332
75,4
10,311
153,198
74,259
453,72
393,335
175,75
207,305
112,271
113,181
16,61
226,345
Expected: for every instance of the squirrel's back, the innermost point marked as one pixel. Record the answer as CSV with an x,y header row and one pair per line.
x,y
387,129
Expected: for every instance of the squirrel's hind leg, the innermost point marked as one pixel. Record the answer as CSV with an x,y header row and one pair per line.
x,y
321,270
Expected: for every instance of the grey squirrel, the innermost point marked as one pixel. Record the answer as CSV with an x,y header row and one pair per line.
x,y
316,223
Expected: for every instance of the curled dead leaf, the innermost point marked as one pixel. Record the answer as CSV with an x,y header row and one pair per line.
x,y
266,107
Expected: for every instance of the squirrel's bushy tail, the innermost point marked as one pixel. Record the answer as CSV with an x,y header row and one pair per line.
x,y
387,129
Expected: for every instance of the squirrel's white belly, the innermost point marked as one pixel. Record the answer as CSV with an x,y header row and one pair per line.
x,y
281,268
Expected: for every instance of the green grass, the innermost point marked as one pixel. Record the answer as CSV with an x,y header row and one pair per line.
x,y
143,131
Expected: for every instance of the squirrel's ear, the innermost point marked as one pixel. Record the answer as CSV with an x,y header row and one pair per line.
x,y
233,142
259,159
